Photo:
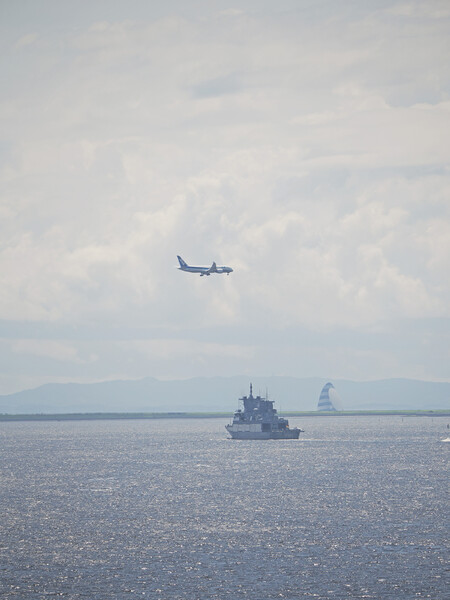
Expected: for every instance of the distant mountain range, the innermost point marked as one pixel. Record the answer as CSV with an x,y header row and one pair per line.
x,y
220,394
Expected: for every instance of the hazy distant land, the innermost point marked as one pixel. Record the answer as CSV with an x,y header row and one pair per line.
x,y
149,397
206,415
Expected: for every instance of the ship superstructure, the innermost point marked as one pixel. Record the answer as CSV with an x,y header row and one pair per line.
x,y
259,421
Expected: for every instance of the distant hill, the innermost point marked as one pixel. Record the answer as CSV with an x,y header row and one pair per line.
x,y
216,394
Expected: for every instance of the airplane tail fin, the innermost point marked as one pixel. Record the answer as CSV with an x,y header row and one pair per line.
x,y
181,261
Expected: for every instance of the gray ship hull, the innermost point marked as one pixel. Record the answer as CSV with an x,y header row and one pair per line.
x,y
287,434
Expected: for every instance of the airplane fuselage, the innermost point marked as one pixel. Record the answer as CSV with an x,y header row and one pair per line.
x,y
203,270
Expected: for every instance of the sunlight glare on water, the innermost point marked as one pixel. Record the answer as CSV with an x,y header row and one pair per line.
x,y
173,509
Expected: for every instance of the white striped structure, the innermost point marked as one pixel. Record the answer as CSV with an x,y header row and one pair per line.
x,y
325,402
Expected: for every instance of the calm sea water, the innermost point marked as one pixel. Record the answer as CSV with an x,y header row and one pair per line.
x,y
172,509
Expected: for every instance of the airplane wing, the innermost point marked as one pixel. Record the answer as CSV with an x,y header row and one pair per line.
x,y
212,269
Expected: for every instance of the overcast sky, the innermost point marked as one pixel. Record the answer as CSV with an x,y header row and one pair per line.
x,y
303,143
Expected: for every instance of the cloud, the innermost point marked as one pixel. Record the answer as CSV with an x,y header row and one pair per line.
x,y
26,40
433,10
169,349
229,84
306,149
55,350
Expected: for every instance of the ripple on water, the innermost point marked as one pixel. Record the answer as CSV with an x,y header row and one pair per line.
x,y
175,510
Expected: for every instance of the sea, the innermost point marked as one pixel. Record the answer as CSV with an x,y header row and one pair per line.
x,y
171,509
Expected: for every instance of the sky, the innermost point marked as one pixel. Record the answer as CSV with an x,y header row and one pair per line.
x,y
303,143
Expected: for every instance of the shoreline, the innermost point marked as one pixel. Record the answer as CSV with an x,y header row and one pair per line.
x,y
104,416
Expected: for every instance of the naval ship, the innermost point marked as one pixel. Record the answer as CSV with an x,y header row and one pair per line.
x,y
259,421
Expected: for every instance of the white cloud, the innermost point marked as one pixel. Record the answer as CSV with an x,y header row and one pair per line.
x,y
169,349
26,40
56,350
438,9
307,151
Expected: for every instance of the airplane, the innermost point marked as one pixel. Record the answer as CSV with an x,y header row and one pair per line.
x,y
203,270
